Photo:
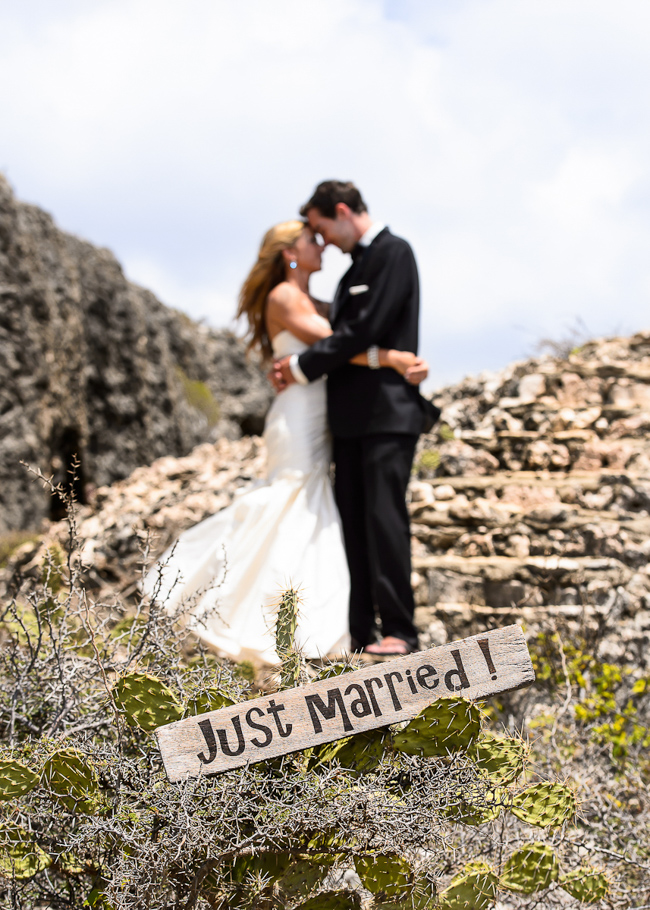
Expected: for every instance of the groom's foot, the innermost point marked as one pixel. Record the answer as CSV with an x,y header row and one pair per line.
x,y
390,646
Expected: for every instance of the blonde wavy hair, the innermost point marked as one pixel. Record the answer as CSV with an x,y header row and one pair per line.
x,y
268,271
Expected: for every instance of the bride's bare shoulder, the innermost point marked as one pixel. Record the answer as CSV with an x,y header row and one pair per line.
x,y
284,296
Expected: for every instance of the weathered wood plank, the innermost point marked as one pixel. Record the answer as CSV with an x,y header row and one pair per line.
x,y
374,696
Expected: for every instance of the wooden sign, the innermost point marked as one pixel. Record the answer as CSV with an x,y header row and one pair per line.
x,y
374,696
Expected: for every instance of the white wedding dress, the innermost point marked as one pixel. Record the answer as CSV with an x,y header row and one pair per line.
x,y
279,532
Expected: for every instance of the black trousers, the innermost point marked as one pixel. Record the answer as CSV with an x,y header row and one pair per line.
x,y
372,473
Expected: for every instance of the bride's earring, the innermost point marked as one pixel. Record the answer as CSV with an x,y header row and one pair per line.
x,y
293,264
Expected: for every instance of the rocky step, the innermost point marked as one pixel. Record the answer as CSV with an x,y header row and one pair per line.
x,y
533,581
489,450
522,515
586,480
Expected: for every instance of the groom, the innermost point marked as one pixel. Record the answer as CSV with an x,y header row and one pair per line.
x,y
375,416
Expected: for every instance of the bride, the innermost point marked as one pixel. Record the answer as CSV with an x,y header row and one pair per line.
x,y
284,531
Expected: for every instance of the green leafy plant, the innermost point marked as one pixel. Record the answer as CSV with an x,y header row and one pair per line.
x,y
199,396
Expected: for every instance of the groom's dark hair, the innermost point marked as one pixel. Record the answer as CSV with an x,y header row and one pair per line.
x,y
328,193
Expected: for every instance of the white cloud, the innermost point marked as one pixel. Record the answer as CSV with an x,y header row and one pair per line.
x,y
508,142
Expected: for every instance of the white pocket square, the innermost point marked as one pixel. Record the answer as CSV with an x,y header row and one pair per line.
x,y
359,289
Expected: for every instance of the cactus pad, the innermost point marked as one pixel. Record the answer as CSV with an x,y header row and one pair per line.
x,y
20,855
332,900
421,895
146,701
361,752
545,805
448,725
16,779
501,759
336,669
302,877
585,884
531,868
210,700
72,779
383,873
270,864
477,811
474,887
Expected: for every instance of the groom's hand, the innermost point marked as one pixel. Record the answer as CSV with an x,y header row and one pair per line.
x,y
281,376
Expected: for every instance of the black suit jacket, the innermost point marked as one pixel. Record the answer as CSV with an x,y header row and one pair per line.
x,y
377,302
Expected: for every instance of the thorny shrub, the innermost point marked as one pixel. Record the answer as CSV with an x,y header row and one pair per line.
x,y
89,819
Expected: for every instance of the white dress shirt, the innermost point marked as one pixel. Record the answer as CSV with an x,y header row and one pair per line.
x,y
365,240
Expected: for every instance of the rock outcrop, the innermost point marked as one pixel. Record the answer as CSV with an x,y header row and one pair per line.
x,y
530,503
95,366
534,498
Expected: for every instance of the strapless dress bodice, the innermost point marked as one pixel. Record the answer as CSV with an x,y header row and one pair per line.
x,y
296,433
284,344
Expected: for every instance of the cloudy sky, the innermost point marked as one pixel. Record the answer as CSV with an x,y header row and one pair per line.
x,y
508,141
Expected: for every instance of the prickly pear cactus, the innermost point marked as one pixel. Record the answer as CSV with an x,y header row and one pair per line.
x,y
501,759
210,700
334,670
146,701
301,878
421,895
531,868
332,900
361,752
267,864
474,887
387,874
271,865
328,847
16,778
69,864
448,725
545,805
20,855
285,639
72,779
480,810
586,884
